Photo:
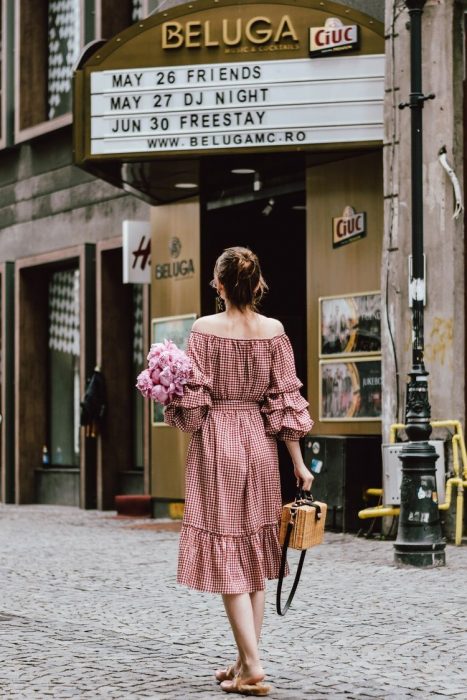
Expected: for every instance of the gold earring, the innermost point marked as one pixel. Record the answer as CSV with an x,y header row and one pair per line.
x,y
220,306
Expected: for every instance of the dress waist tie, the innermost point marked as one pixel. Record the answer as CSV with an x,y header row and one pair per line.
x,y
235,405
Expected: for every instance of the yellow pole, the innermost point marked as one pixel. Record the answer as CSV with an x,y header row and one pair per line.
x,y
393,431
459,512
378,512
374,492
449,484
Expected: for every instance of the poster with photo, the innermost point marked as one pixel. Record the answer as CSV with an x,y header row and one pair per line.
x,y
350,391
350,325
177,329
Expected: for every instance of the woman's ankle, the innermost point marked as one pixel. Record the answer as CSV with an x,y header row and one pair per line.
x,y
252,670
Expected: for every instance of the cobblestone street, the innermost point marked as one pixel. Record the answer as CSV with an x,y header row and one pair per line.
x,y
89,608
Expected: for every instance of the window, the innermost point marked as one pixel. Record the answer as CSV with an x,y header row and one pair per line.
x,y
2,65
63,49
144,8
138,366
2,73
137,10
112,18
64,351
48,40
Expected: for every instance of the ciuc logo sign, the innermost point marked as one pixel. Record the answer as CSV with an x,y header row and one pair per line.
x,y
349,227
333,37
175,269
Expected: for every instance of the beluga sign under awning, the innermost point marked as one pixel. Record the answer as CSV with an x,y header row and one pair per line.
x,y
223,77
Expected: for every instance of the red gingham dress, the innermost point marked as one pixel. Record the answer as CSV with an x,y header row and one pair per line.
x,y
242,396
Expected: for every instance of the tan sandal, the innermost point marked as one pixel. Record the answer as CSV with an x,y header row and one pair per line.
x,y
238,686
225,674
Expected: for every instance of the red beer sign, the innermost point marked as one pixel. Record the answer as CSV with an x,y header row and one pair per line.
x,y
348,227
333,37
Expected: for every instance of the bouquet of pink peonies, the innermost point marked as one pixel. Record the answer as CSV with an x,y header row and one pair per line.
x,y
168,371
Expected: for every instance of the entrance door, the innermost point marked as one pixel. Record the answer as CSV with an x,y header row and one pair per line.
x,y
274,228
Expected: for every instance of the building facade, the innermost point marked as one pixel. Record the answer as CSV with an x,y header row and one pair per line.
x,y
273,125
65,308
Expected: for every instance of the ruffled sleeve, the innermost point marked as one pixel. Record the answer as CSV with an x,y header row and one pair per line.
x,y
284,408
188,412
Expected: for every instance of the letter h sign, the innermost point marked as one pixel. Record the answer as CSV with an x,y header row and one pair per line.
x,y
136,252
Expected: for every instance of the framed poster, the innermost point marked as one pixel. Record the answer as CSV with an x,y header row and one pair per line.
x,y
350,390
177,329
350,325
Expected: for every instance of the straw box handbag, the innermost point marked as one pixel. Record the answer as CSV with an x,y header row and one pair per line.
x,y
308,519
302,527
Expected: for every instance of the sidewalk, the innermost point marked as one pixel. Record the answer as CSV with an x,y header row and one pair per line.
x,y
89,608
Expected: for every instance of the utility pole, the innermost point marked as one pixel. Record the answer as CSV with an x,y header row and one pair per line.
x,y
419,540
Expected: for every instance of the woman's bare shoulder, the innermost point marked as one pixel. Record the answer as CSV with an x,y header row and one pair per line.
x,y
271,327
260,327
206,324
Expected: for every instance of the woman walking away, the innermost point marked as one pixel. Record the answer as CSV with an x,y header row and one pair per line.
x,y
243,395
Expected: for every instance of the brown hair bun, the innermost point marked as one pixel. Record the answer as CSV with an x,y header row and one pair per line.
x,y
238,270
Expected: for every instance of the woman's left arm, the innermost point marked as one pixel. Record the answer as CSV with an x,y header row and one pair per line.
x,y
304,476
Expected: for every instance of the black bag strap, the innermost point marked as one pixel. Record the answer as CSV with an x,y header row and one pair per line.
x,y
302,498
285,546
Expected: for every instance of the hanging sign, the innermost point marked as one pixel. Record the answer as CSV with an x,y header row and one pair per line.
x,y
348,227
333,37
136,252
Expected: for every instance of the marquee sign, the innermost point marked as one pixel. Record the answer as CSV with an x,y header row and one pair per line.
x,y
224,106
211,77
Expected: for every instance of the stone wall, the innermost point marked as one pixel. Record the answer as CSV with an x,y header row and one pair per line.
x,y
442,40
442,34
46,203
374,8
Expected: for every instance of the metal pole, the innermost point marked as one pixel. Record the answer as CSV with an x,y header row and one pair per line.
x,y
419,540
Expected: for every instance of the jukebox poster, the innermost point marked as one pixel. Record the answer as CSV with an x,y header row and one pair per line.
x,y
350,325
350,390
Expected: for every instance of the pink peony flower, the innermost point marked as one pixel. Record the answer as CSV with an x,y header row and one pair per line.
x,y
160,394
163,360
155,351
144,383
153,363
166,376
155,374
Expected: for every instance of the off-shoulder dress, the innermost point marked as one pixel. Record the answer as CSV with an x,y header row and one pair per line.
x,y
243,395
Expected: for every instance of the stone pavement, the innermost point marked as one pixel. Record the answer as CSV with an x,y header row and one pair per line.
x,y
89,608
